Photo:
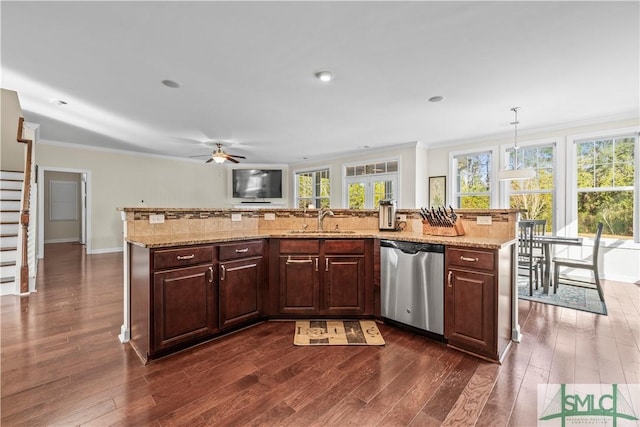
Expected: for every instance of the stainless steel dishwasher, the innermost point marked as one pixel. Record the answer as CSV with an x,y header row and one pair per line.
x,y
412,284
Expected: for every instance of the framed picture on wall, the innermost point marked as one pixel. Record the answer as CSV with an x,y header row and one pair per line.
x,y
437,191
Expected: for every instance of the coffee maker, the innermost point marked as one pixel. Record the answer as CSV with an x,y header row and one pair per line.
x,y
387,215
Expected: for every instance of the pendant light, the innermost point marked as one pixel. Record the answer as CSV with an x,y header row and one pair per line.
x,y
511,172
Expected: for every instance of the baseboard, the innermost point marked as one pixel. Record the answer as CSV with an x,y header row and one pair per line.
x,y
105,250
68,240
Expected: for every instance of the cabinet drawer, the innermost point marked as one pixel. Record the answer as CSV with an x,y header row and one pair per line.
x,y
344,246
299,246
182,257
240,250
470,258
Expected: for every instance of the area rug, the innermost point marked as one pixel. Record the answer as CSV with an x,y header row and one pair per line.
x,y
575,297
337,332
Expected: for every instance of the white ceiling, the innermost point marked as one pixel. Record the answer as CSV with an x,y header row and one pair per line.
x,y
247,72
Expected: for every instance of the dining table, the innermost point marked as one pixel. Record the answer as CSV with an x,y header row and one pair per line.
x,y
547,242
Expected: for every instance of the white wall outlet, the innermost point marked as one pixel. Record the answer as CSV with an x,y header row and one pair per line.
x,y
269,217
402,218
236,217
483,220
156,219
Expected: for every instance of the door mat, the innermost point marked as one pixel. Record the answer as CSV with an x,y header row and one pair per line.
x,y
575,297
337,332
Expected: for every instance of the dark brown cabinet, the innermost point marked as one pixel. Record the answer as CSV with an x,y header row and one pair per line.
x,y
299,284
183,306
174,299
478,300
241,278
324,277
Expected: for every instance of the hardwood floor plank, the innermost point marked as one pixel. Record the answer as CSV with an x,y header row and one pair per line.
x,y
443,400
414,400
470,403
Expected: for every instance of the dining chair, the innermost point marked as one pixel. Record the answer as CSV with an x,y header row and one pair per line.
x,y
539,228
526,259
584,264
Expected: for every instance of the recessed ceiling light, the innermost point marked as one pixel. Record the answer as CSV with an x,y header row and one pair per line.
x,y
324,76
171,83
436,98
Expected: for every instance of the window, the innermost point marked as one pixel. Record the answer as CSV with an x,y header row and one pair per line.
x,y
606,185
367,184
472,184
313,188
534,195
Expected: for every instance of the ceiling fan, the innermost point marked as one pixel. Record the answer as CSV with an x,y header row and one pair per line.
x,y
219,156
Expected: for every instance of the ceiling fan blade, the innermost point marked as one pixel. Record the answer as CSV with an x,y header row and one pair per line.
x,y
232,160
210,160
236,156
201,155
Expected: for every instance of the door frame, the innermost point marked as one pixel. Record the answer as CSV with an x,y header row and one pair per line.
x,y
85,206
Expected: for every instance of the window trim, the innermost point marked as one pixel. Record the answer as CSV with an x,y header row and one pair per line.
x,y
572,180
494,191
558,176
397,174
307,170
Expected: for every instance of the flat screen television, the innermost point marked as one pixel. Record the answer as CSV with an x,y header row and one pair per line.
x,y
257,183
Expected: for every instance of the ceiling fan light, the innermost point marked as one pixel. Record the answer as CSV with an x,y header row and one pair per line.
x,y
218,158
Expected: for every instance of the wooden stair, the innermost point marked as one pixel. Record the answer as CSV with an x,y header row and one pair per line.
x,y
10,197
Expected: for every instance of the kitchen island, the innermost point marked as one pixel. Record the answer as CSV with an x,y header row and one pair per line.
x,y
191,283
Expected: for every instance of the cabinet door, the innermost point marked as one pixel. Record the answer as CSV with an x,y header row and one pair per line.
x,y
240,291
470,311
344,285
184,305
299,284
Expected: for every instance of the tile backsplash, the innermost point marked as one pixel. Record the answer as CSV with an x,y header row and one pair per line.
x,y
189,221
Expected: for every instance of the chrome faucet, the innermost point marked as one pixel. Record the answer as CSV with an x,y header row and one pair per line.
x,y
321,214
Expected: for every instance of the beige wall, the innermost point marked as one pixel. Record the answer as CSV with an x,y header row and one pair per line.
x,y
119,179
59,231
11,152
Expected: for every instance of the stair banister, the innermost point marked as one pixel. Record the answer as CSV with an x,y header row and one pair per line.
x,y
24,213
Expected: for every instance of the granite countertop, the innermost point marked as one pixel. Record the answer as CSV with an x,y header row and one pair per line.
x,y
162,241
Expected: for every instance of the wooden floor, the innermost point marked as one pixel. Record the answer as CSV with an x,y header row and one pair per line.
x,y
62,364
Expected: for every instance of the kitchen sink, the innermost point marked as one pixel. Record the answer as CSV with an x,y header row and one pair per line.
x,y
321,232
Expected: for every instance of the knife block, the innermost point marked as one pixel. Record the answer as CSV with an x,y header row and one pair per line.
x,y
455,230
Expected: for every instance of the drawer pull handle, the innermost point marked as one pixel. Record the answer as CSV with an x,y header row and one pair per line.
x,y
223,272
449,279
184,257
316,264
464,258
211,277
242,251
326,264
298,261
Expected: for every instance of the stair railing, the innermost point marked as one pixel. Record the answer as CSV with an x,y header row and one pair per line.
x,y
24,213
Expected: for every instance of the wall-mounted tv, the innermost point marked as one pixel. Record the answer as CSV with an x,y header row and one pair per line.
x,y
257,183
